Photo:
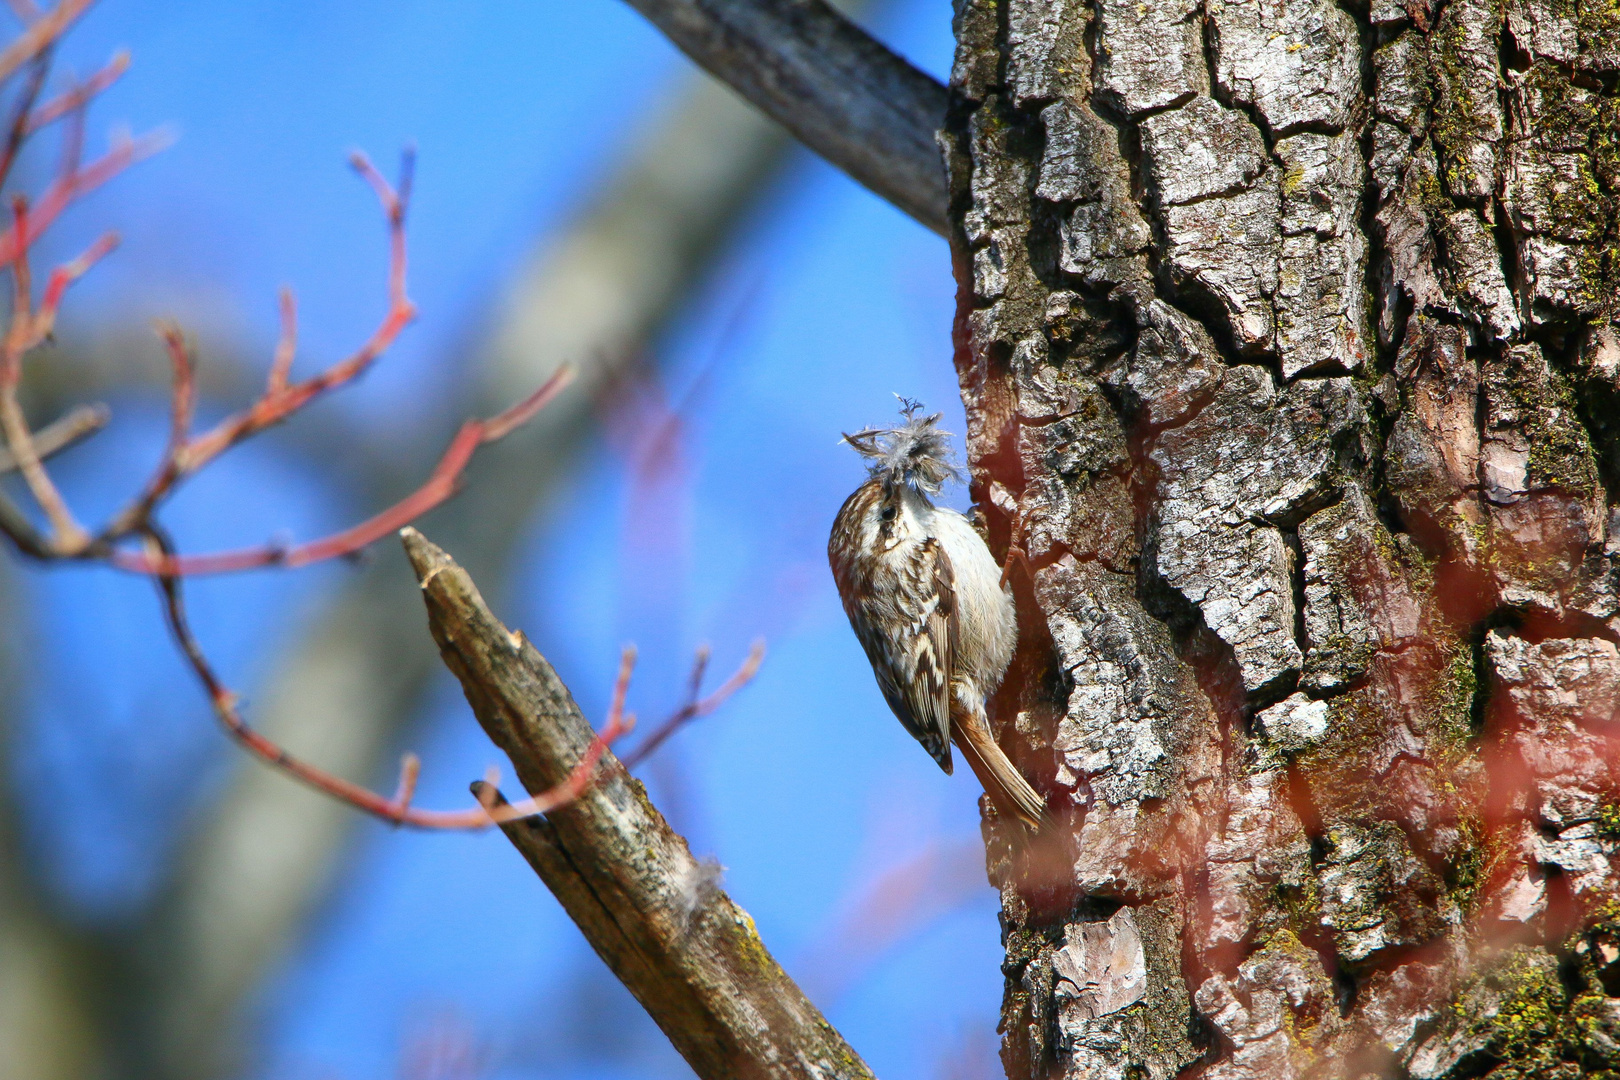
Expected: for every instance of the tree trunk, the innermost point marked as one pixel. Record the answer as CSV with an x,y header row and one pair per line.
x,y
1287,335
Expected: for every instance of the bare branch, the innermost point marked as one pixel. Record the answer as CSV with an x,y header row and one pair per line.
x,y
836,88
439,487
40,35
189,454
70,186
682,947
398,809
286,345
19,127
696,704
66,533
79,423
77,97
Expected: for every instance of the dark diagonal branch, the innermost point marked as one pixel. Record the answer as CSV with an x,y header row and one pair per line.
x,y
652,912
840,91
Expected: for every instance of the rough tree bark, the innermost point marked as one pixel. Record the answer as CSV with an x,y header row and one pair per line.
x,y
1287,335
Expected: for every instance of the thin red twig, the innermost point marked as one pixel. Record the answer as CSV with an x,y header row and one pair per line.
x,y
286,344
279,403
124,153
20,330
696,706
40,35
579,779
67,535
56,286
17,131
184,396
439,487
186,453
397,809
76,97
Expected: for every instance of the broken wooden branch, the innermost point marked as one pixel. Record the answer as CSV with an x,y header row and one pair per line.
x,y
652,911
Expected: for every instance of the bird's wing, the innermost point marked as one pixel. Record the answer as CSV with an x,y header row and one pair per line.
x,y
913,666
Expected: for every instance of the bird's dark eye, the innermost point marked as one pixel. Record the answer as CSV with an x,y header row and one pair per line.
x,y
888,513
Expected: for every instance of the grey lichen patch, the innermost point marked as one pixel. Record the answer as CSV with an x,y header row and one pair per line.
x,y
1200,150
1122,1008
1548,518
1219,204
1076,497
1359,594
1293,725
1321,299
1432,454
1559,191
1475,270
1104,239
1297,62
1404,93
977,61
1258,876
1254,457
1149,56
1468,121
1560,681
1171,373
1135,732
1534,439
1376,893
1405,219
1122,737
1278,1012
1582,34
998,222
1041,37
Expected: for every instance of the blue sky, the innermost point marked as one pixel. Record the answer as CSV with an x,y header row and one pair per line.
x,y
804,787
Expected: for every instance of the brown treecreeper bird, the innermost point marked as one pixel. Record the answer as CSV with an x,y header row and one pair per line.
x,y
926,600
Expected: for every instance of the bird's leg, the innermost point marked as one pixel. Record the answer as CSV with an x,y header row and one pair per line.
x,y
1015,546
1016,554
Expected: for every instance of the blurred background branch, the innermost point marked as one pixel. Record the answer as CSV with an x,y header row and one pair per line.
x,y
839,90
52,1026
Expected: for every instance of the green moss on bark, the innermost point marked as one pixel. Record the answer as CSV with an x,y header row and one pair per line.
x,y
1527,1020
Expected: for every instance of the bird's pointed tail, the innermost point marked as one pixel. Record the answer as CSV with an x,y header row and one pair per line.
x,y
1002,781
